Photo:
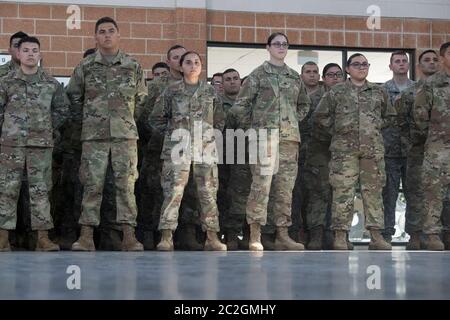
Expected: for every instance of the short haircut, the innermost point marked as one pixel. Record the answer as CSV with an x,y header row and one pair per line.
x,y
16,35
89,51
398,53
425,52
189,52
275,34
309,63
349,60
29,40
160,65
328,66
217,74
105,20
177,46
443,48
230,70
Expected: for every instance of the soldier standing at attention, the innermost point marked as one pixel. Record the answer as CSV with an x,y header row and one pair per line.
x,y
183,106
273,100
432,117
412,143
32,105
352,115
395,155
107,90
13,50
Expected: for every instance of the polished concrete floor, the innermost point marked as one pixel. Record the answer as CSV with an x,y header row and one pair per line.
x,y
359,274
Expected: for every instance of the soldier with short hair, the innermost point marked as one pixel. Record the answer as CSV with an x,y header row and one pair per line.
x,y
13,50
351,115
32,106
107,91
431,115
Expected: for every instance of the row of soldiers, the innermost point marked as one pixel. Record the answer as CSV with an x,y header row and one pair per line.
x,y
109,110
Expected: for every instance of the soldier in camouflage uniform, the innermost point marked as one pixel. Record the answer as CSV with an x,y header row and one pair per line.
x,y
32,104
107,91
13,50
412,144
318,207
184,106
352,115
273,98
395,153
431,115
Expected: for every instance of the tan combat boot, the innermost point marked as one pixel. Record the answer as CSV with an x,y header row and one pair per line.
x,y
4,241
129,242
44,243
232,241
187,239
166,243
213,243
377,241
340,240
433,243
284,242
316,238
447,240
414,241
85,241
254,243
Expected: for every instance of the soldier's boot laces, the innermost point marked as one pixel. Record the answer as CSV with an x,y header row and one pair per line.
x,y
254,243
316,238
377,241
414,241
434,243
149,240
340,240
284,242
129,242
4,241
213,243
86,241
44,243
232,241
447,240
188,239
166,243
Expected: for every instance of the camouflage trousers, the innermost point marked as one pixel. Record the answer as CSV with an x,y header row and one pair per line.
x,y
38,164
317,181
436,184
346,169
270,197
174,179
95,157
414,205
238,190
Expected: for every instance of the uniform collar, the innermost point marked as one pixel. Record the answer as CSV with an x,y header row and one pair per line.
x,y
21,76
269,68
117,59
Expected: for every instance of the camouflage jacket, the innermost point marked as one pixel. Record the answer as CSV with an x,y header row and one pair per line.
x,y
107,98
30,110
270,99
8,67
411,140
393,145
352,118
306,123
431,112
177,109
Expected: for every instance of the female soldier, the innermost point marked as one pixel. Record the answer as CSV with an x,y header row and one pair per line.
x,y
186,108
352,115
273,100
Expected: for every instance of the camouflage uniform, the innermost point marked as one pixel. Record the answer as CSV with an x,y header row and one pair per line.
x,y
432,116
8,67
353,118
395,165
30,108
179,109
109,97
273,98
